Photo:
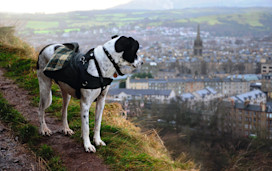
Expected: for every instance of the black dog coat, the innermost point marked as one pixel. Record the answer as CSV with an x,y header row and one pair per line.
x,y
70,67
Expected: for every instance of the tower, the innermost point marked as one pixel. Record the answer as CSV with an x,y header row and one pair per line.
x,y
198,44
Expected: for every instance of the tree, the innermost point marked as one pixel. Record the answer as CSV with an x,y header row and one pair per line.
x,y
122,84
142,75
240,67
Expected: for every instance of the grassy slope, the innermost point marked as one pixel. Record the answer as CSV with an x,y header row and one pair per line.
x,y
127,148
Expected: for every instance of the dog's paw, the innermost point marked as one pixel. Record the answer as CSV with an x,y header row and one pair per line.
x,y
90,148
45,131
99,142
67,131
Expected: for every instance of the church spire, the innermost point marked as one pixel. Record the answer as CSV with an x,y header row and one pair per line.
x,y
198,43
198,32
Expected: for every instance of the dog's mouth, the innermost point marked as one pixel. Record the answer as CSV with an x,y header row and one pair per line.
x,y
138,64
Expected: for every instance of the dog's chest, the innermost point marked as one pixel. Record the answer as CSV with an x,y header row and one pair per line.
x,y
67,89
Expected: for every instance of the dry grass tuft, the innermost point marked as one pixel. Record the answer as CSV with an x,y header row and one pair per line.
x,y
149,141
10,43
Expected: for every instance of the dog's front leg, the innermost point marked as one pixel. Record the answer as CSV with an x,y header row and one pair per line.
x,y
98,118
85,102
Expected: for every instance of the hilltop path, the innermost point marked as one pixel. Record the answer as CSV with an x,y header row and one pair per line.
x,y
71,152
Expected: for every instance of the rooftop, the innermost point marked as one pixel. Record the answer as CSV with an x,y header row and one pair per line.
x,y
248,96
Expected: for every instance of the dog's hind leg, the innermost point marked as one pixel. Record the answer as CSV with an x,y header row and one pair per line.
x,y
66,99
45,84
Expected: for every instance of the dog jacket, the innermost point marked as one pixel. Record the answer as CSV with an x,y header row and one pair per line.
x,y
70,66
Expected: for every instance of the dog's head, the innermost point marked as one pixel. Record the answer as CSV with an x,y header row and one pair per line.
x,y
127,49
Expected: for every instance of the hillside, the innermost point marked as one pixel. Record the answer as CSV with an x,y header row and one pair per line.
x,y
182,4
127,147
218,21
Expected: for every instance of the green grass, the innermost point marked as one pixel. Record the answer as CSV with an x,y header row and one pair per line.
x,y
72,29
127,148
22,70
211,20
43,31
42,25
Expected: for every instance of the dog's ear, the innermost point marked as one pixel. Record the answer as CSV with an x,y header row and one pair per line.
x,y
114,36
129,46
123,43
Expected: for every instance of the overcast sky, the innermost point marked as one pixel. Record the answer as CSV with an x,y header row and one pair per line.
x,y
54,6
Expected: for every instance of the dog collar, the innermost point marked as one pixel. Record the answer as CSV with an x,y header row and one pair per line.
x,y
112,61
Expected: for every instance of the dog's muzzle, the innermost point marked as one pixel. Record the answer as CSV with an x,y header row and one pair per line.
x,y
138,64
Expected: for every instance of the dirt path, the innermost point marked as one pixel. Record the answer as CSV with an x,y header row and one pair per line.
x,y
71,152
13,155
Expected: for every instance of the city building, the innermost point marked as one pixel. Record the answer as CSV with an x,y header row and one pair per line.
x,y
162,96
250,120
266,68
232,86
136,83
225,86
204,95
266,85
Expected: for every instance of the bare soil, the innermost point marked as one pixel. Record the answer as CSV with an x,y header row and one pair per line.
x,y
14,155
71,152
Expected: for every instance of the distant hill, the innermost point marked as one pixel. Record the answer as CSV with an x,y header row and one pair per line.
x,y
181,4
220,21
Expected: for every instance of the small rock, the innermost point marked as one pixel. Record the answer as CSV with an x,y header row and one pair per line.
x,y
16,138
2,129
16,161
3,149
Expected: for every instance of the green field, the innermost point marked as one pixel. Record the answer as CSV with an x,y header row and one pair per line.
x,y
210,20
40,25
252,19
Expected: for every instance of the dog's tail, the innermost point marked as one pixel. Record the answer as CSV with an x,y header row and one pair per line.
x,y
69,45
37,66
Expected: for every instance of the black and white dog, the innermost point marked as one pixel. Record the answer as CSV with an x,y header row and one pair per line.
x,y
123,51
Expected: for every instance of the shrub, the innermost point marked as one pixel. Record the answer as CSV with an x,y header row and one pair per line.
x,y
29,134
46,152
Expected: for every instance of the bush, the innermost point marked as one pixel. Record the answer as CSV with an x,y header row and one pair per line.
x,y
46,152
55,164
29,134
